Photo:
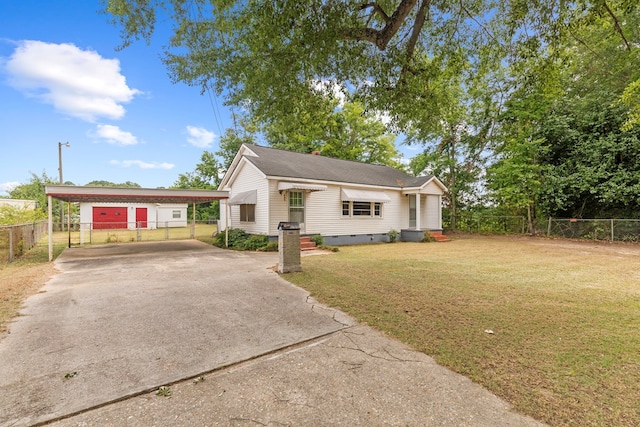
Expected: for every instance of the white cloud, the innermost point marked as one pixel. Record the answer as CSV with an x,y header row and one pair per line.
x,y
5,187
114,135
79,83
141,164
200,137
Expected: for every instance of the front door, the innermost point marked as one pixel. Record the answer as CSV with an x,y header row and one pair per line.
x,y
141,217
296,208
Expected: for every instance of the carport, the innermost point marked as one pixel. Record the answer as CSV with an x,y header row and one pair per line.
x,y
73,194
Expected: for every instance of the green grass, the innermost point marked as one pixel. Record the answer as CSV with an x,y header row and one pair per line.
x,y
566,316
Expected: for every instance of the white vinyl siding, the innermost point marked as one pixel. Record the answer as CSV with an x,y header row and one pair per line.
x,y
432,188
248,178
324,214
432,211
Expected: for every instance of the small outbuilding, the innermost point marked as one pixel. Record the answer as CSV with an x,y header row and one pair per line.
x,y
132,216
126,204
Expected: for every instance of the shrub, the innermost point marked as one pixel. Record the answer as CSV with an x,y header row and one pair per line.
x,y
271,247
317,239
393,235
236,237
254,242
243,241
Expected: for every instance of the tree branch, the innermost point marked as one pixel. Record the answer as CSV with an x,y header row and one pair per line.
x,y
381,38
376,9
418,24
617,25
484,29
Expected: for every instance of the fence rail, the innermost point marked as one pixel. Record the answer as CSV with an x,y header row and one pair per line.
x,y
613,230
17,239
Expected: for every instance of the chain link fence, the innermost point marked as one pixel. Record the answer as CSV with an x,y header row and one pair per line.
x,y
102,233
496,224
15,240
613,230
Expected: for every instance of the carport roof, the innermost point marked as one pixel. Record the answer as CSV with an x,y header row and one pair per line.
x,y
72,193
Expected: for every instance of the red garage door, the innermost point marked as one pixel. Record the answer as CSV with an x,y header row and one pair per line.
x,y
109,218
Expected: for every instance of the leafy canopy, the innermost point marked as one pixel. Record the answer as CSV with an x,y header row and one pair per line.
x,y
393,56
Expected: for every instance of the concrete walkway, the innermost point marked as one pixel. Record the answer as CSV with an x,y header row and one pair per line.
x,y
234,343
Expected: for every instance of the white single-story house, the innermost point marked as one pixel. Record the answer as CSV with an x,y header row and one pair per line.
x,y
344,201
132,216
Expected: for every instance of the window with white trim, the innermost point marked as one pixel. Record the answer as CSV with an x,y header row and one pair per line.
x,y
176,214
362,209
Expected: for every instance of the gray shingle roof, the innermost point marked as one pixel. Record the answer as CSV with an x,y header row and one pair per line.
x,y
289,164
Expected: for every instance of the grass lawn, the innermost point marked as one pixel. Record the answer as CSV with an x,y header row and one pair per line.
x,y
23,278
565,316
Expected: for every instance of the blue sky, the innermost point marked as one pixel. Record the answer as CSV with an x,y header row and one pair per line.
x,y
62,80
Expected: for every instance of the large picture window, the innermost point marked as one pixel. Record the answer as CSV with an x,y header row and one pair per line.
x,y
248,213
362,209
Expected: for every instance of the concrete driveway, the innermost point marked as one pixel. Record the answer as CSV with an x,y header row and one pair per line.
x,y
123,319
237,344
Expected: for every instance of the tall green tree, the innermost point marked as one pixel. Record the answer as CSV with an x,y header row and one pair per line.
x,y
205,176
102,183
212,167
35,190
348,132
268,56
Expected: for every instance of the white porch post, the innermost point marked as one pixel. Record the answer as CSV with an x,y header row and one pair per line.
x,y
50,225
418,215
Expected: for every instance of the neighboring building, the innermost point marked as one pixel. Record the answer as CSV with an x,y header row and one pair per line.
x,y
344,201
22,204
132,215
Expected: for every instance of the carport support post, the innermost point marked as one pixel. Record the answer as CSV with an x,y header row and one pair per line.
x,y
69,221
50,226
193,222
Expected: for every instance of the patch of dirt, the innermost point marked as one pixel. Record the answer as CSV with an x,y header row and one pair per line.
x,y
17,283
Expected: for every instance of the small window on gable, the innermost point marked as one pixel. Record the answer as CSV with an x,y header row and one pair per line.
x,y
248,213
177,214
